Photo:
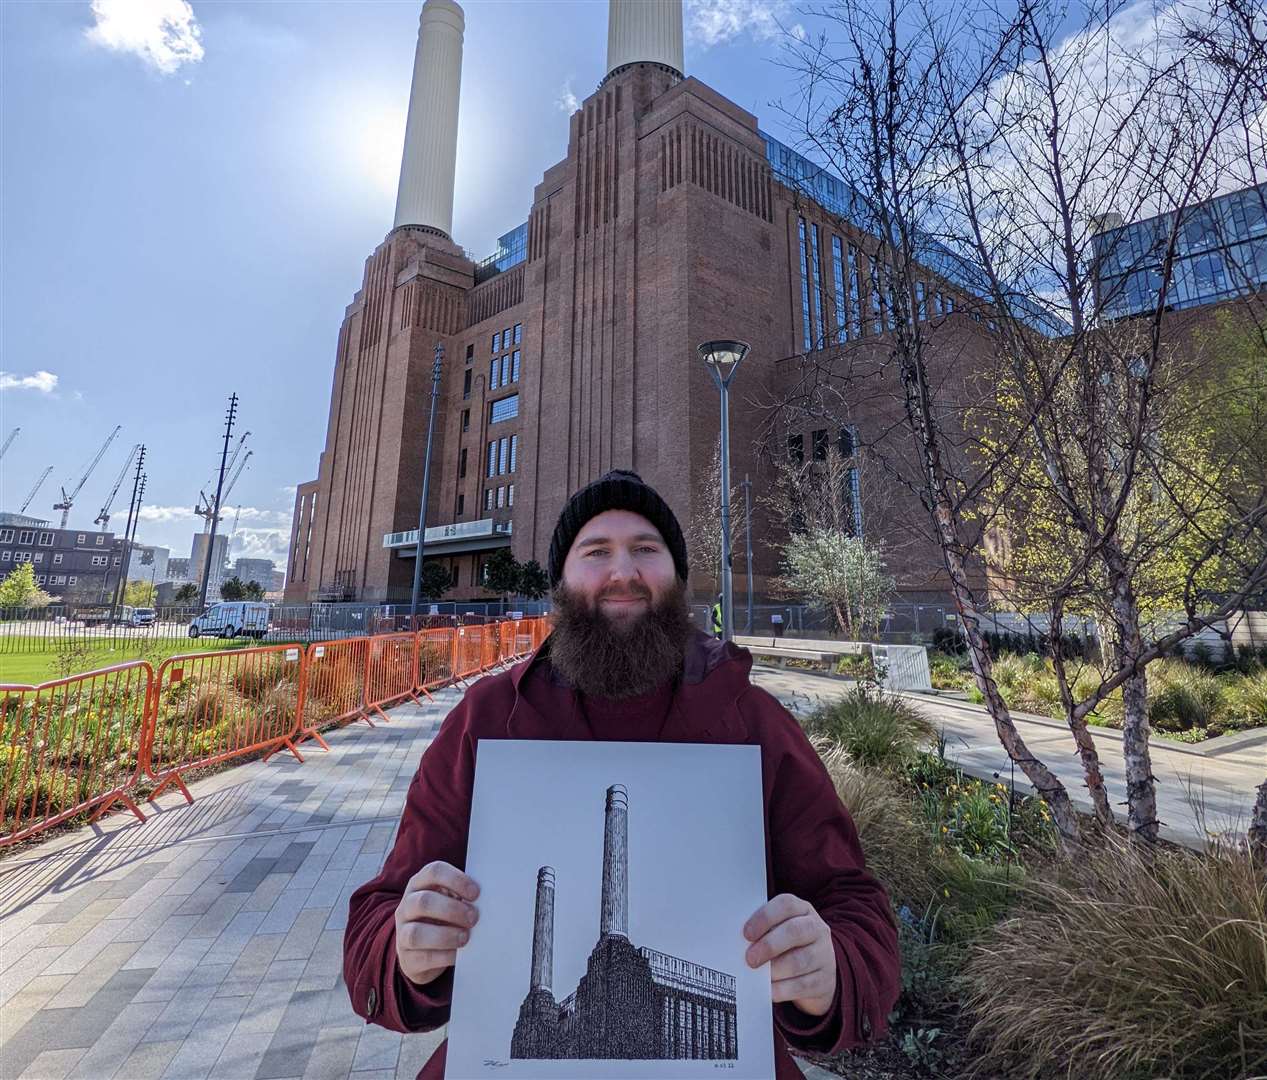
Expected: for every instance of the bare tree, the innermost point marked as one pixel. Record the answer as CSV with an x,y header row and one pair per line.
x,y
980,154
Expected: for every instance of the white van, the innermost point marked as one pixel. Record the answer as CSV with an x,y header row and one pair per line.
x,y
231,618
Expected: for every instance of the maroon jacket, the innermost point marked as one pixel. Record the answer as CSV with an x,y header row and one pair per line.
x,y
812,848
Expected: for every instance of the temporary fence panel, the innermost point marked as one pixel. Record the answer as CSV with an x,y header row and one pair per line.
x,y
69,746
390,670
491,647
469,651
334,686
506,644
210,707
524,637
436,658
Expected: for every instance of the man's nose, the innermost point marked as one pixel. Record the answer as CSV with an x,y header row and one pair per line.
x,y
623,567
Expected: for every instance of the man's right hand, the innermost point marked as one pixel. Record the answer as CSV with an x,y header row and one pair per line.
x,y
434,920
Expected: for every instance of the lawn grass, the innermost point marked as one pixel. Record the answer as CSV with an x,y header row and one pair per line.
x,y
38,667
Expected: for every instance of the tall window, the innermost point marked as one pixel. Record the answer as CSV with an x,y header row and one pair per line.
x,y
501,497
505,409
838,276
470,353
820,445
518,332
855,313
877,326
46,539
462,464
816,270
494,367
506,369
492,458
921,302
514,371
514,452
461,504
27,536
488,498
503,455
806,325
466,384
855,501
796,448
510,495
497,342
466,420
846,442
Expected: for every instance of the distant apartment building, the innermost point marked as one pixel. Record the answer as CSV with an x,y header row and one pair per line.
x,y
71,565
219,562
257,570
149,564
178,570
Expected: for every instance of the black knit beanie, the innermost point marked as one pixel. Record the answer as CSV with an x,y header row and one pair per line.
x,y
617,490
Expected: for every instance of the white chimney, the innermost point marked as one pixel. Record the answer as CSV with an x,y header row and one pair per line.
x,y
425,195
644,31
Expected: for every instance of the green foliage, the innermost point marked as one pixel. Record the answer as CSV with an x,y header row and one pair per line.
x,y
252,590
1147,963
255,680
857,666
186,594
534,583
233,589
434,580
18,589
948,673
838,573
876,730
139,593
920,1046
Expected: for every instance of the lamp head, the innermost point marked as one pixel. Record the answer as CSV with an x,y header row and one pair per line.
x,y
723,357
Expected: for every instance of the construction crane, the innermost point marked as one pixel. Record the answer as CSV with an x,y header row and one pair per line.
x,y
103,518
206,511
233,533
203,509
69,500
12,435
38,484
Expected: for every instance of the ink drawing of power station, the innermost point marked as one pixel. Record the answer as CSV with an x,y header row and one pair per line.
x,y
632,1003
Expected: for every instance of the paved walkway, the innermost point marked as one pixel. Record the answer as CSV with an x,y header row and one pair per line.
x,y
1197,789
208,941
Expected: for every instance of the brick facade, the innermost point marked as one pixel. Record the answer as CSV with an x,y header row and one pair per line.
x,y
662,227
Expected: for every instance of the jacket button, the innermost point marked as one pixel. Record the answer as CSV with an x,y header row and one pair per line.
x,y
371,1001
866,1024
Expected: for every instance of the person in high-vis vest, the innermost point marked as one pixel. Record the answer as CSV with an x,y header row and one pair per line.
x,y
718,624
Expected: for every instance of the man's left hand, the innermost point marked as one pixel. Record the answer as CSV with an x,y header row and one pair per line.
x,y
790,935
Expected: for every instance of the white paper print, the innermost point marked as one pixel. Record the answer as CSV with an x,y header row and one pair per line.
x,y
615,880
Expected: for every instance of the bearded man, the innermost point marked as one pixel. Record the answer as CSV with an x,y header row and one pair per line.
x,y
623,663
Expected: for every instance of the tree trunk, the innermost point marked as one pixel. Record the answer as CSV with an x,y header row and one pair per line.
x,y
1258,826
1141,784
1044,780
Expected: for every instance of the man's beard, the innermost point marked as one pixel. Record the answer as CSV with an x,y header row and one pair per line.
x,y
603,659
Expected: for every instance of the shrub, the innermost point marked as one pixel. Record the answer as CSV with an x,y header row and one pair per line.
x,y
1247,701
899,851
1183,696
257,676
1153,963
877,730
857,666
946,672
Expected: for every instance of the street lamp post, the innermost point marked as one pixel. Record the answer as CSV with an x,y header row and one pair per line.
x,y
723,359
426,484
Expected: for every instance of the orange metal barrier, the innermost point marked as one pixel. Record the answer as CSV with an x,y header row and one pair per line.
x,y
436,659
334,686
469,651
83,743
210,707
70,745
391,670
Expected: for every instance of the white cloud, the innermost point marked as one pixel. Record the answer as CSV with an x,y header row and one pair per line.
x,y
163,33
717,22
43,381
249,513
262,544
567,101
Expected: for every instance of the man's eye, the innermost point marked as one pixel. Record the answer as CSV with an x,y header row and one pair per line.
x,y
595,551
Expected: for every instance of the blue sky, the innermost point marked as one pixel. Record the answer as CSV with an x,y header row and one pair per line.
x,y
187,213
